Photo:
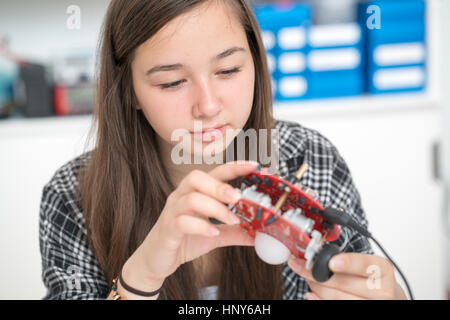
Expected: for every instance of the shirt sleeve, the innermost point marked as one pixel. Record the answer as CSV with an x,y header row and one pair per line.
x,y
345,195
69,268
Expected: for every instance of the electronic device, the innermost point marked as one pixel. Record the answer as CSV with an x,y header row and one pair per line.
x,y
286,218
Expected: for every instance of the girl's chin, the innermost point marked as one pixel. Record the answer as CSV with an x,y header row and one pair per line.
x,y
209,152
206,149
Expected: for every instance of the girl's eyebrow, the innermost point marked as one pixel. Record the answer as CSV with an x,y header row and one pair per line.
x,y
177,66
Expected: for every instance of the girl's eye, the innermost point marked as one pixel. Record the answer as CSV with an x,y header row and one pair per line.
x,y
171,85
177,83
234,70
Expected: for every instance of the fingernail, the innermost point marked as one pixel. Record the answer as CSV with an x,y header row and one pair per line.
x,y
233,194
337,264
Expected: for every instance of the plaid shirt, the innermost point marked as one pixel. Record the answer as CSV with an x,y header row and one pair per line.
x,y
71,271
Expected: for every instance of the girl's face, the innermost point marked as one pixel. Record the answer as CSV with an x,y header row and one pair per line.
x,y
198,69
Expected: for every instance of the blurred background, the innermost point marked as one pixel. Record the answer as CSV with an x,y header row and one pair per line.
x,y
372,76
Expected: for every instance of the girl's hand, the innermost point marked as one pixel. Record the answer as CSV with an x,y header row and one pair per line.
x,y
356,276
183,232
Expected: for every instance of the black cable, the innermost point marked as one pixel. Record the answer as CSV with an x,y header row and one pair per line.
x,y
342,218
396,267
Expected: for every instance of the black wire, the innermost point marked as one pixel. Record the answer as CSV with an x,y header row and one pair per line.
x,y
342,218
396,267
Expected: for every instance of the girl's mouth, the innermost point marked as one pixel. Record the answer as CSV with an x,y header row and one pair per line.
x,y
209,135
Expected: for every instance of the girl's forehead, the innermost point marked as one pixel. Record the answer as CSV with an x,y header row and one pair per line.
x,y
205,25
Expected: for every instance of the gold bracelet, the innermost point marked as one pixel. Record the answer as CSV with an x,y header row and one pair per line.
x,y
115,295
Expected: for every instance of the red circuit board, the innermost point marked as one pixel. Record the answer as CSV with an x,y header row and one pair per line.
x,y
255,217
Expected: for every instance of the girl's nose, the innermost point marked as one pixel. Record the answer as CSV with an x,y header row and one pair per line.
x,y
207,105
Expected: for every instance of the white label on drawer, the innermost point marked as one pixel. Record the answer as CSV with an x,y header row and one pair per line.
x,y
398,78
293,86
268,39
291,62
399,53
334,35
334,59
271,62
292,38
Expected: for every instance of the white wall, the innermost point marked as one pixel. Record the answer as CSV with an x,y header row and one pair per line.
x,y
38,29
31,151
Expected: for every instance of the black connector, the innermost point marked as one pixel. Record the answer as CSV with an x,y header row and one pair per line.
x,y
342,218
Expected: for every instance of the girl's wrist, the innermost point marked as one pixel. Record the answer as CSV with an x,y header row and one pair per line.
x,y
136,275
127,295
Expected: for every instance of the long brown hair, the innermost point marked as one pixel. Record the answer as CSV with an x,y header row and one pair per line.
x,y
124,186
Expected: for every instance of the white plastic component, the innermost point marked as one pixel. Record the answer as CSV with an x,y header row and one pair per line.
x,y
258,197
313,247
297,218
270,250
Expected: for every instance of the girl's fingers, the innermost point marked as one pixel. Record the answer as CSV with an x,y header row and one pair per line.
x,y
220,236
190,225
352,285
198,203
371,288
325,293
213,183
233,170
233,236
360,264
204,183
312,296
229,236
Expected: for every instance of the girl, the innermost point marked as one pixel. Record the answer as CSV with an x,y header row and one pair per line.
x,y
128,209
